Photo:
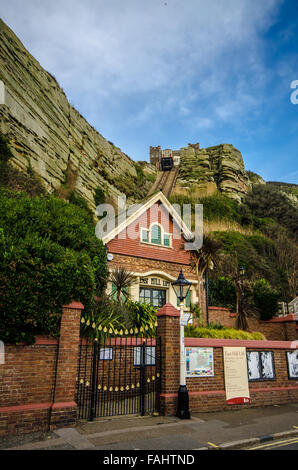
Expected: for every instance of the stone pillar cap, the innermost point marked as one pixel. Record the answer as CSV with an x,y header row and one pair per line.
x,y
75,305
168,310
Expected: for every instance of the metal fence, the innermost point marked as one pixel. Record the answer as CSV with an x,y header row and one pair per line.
x,y
118,376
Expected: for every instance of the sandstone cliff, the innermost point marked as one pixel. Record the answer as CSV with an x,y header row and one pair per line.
x,y
50,135
207,169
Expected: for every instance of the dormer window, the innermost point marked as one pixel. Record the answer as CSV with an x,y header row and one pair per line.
x,y
156,236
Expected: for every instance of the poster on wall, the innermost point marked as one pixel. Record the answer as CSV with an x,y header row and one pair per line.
x,y
149,356
199,362
292,360
106,354
236,378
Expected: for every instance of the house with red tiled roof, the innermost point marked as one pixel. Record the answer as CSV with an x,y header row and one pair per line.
x,y
150,243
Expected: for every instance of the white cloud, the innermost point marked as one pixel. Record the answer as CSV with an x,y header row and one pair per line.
x,y
186,58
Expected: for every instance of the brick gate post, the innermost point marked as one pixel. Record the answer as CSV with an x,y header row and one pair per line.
x,y
168,328
63,410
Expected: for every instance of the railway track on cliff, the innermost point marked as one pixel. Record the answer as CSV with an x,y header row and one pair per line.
x,y
165,182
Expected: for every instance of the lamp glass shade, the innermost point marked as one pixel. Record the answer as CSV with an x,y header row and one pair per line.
x,y
181,286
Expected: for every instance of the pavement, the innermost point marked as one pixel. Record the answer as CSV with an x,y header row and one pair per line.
x,y
224,430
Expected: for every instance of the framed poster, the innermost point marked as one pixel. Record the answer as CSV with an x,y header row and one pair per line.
x,y
236,378
253,365
292,361
260,365
199,362
149,356
106,354
267,365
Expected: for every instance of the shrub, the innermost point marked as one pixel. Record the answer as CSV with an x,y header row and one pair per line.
x,y
49,256
79,201
225,333
220,207
36,278
222,292
99,196
265,299
269,201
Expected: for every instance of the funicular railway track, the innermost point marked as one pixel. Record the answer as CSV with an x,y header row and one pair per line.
x,y
165,182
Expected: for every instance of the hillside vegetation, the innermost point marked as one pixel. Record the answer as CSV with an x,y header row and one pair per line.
x,y
259,234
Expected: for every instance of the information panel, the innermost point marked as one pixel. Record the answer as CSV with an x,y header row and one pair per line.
x,y
199,362
236,378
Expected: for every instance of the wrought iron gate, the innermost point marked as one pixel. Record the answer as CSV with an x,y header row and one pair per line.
x,y
118,376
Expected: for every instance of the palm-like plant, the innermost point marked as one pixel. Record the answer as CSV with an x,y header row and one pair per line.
x,y
122,279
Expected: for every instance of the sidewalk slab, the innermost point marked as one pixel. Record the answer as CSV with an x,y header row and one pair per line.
x,y
75,439
213,431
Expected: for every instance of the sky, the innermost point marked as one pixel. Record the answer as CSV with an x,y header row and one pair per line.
x,y
173,72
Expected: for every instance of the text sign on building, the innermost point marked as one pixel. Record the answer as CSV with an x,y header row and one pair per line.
x,y
236,378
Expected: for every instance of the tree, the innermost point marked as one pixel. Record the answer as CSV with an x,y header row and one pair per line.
x,y
205,257
228,266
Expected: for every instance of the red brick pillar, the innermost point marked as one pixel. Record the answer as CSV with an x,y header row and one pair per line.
x,y
290,328
63,410
169,330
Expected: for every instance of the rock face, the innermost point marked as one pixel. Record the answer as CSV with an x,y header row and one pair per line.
x,y
221,165
46,132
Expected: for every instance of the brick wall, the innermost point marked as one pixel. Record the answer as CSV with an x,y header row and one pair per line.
x,y
133,263
208,393
37,382
26,386
283,328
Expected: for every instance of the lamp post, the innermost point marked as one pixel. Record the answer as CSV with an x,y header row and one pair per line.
x,y
181,287
207,295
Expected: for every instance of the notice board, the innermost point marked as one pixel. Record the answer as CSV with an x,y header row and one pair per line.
x,y
236,378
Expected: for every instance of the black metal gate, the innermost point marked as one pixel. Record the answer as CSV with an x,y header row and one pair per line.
x,y
118,376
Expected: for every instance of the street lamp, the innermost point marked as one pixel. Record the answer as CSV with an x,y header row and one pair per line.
x,y
241,271
181,287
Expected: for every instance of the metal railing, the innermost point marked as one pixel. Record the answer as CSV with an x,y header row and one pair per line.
x,y
118,375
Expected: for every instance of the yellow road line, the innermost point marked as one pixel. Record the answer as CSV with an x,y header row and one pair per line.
x,y
277,443
211,444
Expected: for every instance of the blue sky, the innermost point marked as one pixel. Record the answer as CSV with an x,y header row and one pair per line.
x,y
170,72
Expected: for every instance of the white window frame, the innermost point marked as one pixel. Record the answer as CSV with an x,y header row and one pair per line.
x,y
163,234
